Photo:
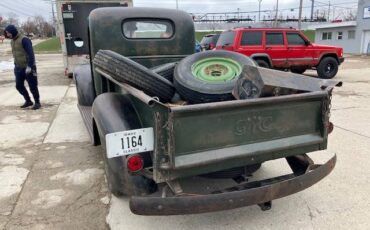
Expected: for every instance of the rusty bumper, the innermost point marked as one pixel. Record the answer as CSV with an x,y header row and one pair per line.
x,y
258,192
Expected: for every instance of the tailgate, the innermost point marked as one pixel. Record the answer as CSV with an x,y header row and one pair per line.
x,y
223,135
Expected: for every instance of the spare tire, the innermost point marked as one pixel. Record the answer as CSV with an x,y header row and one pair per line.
x,y
209,76
165,70
126,70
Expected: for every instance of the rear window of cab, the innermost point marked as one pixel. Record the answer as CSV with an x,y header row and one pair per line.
x,y
147,28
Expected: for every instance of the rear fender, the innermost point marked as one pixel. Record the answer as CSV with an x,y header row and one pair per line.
x,y
114,112
84,85
262,56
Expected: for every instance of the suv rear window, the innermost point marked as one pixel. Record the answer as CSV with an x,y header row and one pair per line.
x,y
274,38
295,39
251,38
226,38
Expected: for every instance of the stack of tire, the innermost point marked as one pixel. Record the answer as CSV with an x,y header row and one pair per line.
x,y
199,78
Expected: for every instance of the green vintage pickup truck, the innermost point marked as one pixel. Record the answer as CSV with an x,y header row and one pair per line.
x,y
151,145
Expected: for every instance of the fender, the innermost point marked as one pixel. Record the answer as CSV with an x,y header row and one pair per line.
x,y
114,112
264,55
84,85
327,54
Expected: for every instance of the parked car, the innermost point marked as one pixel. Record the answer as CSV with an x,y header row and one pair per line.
x,y
283,49
209,41
198,47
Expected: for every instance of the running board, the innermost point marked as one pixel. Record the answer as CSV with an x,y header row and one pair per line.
x,y
86,113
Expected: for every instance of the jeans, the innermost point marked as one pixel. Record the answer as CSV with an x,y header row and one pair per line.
x,y
20,77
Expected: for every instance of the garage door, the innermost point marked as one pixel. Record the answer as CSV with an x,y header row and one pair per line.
x,y
366,42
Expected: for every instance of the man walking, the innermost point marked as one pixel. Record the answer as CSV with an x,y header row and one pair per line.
x,y
25,67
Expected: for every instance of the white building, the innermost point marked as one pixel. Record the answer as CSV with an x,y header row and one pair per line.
x,y
352,36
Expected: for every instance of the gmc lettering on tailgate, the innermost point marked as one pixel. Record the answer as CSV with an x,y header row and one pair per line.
x,y
253,124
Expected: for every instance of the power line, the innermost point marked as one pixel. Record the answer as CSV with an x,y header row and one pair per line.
x,y
20,12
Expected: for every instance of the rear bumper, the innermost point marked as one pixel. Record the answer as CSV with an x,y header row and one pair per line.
x,y
341,60
258,192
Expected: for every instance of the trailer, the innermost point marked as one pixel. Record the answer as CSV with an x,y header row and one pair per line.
x,y
72,24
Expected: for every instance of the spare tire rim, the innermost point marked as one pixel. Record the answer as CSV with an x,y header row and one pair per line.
x,y
216,69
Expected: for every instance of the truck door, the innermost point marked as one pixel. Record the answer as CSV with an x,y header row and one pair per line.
x,y
251,43
75,25
299,51
276,48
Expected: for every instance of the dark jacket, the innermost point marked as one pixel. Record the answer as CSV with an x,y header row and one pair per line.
x,y
26,44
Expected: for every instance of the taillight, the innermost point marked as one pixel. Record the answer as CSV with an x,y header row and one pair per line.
x,y
330,127
135,163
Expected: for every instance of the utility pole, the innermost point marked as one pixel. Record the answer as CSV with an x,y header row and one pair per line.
x,y
276,14
329,12
52,11
312,7
300,14
177,4
259,10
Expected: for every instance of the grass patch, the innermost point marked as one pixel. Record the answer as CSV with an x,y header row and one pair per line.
x,y
199,34
51,45
310,34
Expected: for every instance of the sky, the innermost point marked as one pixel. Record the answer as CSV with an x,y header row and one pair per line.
x,y
29,8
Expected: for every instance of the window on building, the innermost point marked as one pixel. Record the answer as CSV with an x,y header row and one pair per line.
x,y
326,36
339,35
252,38
351,34
295,39
274,38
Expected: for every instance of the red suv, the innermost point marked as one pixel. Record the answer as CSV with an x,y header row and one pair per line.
x,y
283,49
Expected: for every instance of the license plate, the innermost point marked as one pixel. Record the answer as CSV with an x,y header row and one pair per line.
x,y
129,142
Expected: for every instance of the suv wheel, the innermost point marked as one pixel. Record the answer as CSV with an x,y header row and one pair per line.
x,y
298,70
327,68
262,63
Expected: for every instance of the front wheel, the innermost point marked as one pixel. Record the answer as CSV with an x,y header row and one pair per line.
x,y
327,68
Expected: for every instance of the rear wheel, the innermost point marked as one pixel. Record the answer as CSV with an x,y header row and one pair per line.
x,y
298,70
327,68
263,63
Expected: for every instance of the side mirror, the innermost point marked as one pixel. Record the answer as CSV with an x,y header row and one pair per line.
x,y
308,43
78,42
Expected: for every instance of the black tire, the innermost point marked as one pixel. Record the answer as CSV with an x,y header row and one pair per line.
x,y
195,90
298,70
165,70
125,70
263,63
327,68
84,85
